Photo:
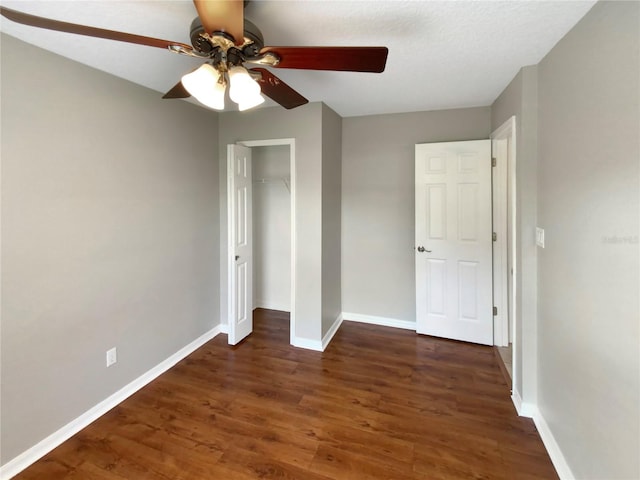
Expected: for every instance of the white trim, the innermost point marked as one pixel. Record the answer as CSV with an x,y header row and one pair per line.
x,y
307,343
553,449
383,321
528,410
318,345
292,190
271,306
517,401
40,449
500,248
224,328
524,409
513,204
267,143
508,130
291,142
331,332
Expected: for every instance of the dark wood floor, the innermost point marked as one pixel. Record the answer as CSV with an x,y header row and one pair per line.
x,y
379,403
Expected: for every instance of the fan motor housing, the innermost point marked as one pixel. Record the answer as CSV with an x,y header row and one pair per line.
x,y
253,39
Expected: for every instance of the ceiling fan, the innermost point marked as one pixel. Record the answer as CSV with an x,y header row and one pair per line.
x,y
225,40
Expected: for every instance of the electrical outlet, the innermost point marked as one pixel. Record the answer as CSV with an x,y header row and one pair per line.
x,y
540,237
112,356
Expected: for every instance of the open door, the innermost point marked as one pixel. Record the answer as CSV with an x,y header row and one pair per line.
x,y
239,202
453,241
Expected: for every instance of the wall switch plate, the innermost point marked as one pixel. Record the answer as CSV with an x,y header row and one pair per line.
x,y
112,356
540,237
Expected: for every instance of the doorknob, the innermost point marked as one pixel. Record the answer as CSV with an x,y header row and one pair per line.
x,y
421,249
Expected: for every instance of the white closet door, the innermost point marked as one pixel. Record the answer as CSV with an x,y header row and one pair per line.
x,y
240,243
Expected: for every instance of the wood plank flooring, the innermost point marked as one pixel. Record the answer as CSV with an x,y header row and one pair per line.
x,y
379,403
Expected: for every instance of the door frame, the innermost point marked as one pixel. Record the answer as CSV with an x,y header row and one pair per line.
x,y
505,181
292,170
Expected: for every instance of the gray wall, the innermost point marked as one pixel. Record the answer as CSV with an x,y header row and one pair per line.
x,y
331,215
109,236
305,125
520,98
378,220
588,204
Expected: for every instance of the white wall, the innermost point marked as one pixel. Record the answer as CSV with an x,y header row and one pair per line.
x,y
109,236
588,272
271,227
378,220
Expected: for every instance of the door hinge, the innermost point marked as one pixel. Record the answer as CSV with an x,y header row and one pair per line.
x,y
493,161
494,236
495,311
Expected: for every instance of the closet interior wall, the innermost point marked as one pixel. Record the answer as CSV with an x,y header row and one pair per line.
x,y
272,228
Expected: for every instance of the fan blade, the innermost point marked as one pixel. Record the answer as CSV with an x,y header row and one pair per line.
x,y
278,91
348,59
49,24
222,16
177,92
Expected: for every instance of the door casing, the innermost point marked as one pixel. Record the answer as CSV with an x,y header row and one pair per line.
x,y
505,225
292,163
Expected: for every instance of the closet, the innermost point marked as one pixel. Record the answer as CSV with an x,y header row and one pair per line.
x,y
271,227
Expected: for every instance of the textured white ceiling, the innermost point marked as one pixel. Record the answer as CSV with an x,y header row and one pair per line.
x,y
450,54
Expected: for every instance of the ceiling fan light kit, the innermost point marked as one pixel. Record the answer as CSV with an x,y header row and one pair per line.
x,y
226,40
243,89
206,85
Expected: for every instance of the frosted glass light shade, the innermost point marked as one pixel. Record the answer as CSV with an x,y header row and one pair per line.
x,y
214,98
251,102
200,80
203,85
243,89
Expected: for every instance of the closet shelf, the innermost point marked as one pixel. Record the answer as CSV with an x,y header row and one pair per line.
x,y
271,181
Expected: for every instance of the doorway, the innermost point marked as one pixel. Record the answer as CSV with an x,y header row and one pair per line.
x,y
271,231
263,274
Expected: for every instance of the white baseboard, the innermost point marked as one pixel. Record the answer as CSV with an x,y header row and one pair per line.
x,y
224,328
383,321
331,332
555,453
531,410
39,450
517,401
306,343
523,409
528,410
271,305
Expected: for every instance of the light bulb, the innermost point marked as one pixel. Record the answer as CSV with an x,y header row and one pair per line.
x,y
243,89
203,84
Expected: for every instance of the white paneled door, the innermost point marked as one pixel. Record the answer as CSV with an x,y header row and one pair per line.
x,y
453,241
240,242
